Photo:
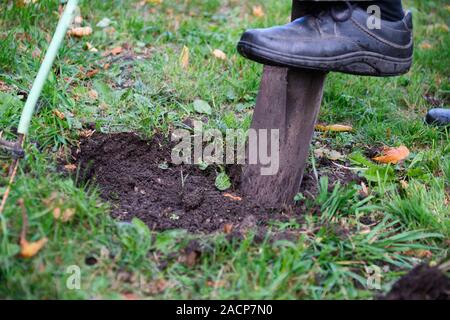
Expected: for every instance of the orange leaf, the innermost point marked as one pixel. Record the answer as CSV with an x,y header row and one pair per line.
x,y
258,11
393,155
59,114
334,127
30,249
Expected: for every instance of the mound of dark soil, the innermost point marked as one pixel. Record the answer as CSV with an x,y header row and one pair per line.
x,y
421,283
138,179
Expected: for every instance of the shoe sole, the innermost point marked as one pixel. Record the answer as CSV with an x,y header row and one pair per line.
x,y
360,63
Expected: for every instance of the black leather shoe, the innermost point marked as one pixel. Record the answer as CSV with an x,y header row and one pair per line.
x,y
438,117
335,39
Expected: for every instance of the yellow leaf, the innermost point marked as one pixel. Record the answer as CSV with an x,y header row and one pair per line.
x,y
393,155
334,127
219,54
184,57
30,249
80,32
258,11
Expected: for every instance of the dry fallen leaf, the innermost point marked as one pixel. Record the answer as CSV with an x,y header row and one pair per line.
x,y
227,228
393,155
404,184
59,114
68,214
156,286
70,167
130,296
426,45
232,197
191,259
64,216
114,52
78,20
364,190
258,11
90,47
23,3
184,57
4,87
87,133
419,253
334,127
80,32
91,73
57,213
219,54
36,53
216,284
93,94
328,153
30,249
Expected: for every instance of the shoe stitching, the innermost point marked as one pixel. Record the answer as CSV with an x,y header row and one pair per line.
x,y
379,39
343,56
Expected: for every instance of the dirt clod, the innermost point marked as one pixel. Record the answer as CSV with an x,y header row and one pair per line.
x,y
421,283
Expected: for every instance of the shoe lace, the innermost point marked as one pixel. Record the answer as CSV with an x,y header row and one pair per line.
x,y
320,9
348,15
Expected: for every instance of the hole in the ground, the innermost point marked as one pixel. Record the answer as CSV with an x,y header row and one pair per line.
x,y
138,179
136,176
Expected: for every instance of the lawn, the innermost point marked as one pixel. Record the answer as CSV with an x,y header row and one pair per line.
x,y
355,239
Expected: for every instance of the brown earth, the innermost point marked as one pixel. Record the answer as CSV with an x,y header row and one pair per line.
x,y
138,179
421,283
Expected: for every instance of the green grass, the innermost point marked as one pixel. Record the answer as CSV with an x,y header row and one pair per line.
x,y
155,93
